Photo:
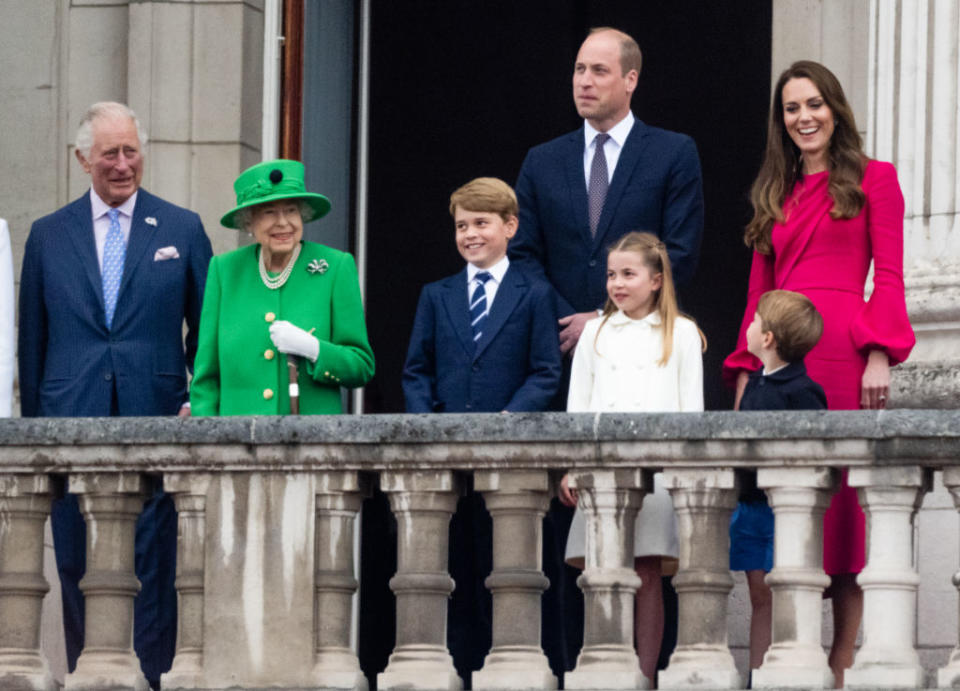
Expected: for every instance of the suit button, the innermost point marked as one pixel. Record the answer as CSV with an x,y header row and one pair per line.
x,y
469,407
268,354
476,368
267,394
592,263
108,376
269,317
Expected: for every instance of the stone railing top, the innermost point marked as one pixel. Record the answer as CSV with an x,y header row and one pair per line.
x,y
490,441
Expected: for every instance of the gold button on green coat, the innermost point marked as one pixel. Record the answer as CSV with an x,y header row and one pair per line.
x,y
268,354
230,373
267,394
269,317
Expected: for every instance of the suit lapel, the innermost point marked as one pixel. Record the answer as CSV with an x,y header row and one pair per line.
x,y
85,246
141,233
508,296
622,174
576,184
458,311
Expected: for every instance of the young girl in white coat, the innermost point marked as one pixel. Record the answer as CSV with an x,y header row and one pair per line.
x,y
641,355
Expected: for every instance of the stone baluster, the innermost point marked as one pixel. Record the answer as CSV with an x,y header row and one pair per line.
x,y
799,497
948,677
24,506
110,503
517,502
338,499
890,497
704,501
189,492
609,500
423,503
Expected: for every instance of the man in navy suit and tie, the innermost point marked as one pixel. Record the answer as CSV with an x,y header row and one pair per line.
x,y
575,203
107,283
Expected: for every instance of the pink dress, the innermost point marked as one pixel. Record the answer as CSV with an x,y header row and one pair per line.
x,y
827,260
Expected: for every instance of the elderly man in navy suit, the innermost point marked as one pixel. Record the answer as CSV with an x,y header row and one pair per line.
x,y
107,283
581,192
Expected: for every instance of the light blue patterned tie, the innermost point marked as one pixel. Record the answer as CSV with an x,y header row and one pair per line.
x,y
478,305
114,252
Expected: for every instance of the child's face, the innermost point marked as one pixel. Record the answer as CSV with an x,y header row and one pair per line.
x,y
757,339
482,236
630,284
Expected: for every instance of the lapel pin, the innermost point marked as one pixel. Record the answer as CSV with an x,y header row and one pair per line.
x,y
150,221
318,267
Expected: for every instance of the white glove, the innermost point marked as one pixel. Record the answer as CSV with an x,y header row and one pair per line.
x,y
293,340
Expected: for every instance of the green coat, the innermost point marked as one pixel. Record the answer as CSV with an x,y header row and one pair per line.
x,y
237,369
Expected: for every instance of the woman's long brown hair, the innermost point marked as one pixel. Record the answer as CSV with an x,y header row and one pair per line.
x,y
782,165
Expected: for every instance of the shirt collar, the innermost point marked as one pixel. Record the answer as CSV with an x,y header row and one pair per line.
x,y
618,132
618,318
498,270
100,207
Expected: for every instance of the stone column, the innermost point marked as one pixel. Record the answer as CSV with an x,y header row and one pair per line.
x,y
609,500
24,506
110,503
913,101
890,497
338,499
423,503
704,501
948,677
517,501
799,497
189,492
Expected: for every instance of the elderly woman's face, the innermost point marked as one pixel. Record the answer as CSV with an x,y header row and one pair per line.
x,y
277,226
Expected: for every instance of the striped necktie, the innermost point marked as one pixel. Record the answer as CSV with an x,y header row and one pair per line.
x,y
114,252
478,305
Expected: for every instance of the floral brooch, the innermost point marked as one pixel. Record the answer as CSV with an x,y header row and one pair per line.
x,y
318,267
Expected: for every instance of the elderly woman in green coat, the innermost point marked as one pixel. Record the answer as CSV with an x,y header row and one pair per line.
x,y
277,298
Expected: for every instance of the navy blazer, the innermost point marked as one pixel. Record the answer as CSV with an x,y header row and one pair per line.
x,y
515,366
786,389
656,187
69,360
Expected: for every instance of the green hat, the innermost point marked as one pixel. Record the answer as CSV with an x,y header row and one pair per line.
x,y
270,181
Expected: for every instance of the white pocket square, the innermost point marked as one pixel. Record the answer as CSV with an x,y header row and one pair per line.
x,y
165,253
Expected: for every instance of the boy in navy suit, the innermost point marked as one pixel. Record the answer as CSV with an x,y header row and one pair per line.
x,y
484,340
784,329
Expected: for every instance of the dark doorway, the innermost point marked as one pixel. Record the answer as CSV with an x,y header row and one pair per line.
x,y
463,88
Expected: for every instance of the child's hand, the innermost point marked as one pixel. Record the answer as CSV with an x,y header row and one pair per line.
x,y
567,494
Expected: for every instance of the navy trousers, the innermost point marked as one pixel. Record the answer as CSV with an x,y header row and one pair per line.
x,y
155,606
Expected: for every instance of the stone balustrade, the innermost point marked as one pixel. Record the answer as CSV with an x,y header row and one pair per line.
x,y
265,550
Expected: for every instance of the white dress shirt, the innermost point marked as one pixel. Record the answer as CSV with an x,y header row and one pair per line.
x,y
497,271
101,221
611,148
6,322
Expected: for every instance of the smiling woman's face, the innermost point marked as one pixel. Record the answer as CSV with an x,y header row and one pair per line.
x,y
278,227
809,122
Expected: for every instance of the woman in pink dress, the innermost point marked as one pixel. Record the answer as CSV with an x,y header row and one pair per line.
x,y
822,212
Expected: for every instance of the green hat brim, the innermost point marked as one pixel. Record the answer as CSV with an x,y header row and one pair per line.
x,y
317,202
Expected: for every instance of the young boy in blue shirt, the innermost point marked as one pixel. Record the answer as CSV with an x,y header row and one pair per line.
x,y
784,329
484,340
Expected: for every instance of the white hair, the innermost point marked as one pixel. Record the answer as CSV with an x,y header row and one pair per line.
x,y
244,217
104,109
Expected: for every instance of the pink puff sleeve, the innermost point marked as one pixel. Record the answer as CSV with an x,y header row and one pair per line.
x,y
883,324
761,280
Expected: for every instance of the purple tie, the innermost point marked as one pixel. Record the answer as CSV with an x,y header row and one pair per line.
x,y
597,190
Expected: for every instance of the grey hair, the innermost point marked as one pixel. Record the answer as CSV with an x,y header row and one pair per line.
x,y
244,217
104,109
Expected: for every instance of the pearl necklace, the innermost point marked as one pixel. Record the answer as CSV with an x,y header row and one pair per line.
x,y
276,282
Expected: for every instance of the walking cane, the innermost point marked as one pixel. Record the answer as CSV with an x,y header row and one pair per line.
x,y
292,361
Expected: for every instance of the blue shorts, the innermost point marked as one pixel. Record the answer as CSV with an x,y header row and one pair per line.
x,y
751,537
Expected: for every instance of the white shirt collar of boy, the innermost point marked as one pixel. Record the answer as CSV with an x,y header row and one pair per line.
x,y
611,148
497,271
618,318
101,222
767,373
